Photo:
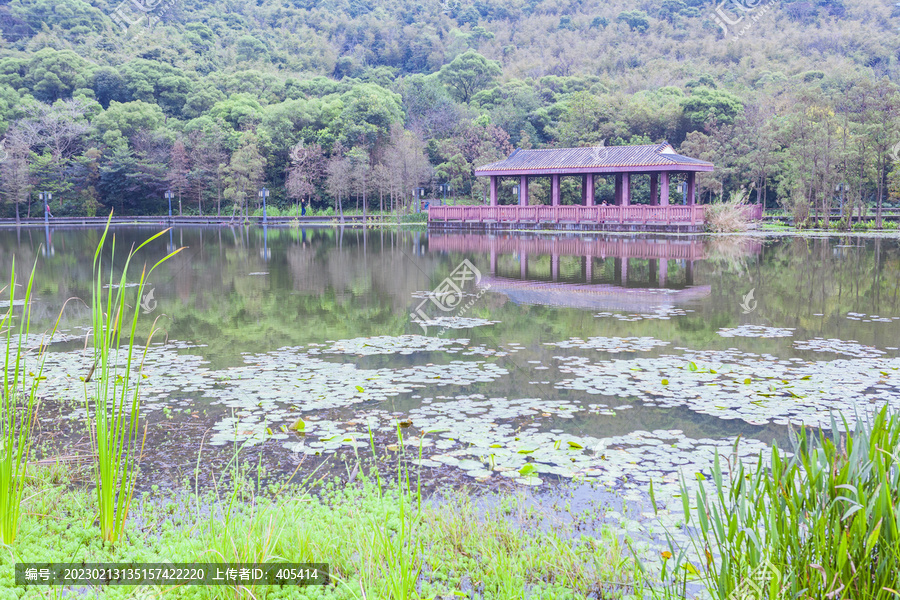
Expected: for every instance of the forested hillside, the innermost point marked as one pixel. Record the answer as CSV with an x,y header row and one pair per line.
x,y
352,103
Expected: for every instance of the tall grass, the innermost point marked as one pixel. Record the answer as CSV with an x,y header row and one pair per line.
x,y
18,399
115,403
821,523
730,216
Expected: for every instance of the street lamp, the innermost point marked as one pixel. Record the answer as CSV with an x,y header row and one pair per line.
x,y
169,196
264,193
46,197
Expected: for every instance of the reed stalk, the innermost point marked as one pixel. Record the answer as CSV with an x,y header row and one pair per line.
x,y
18,404
116,372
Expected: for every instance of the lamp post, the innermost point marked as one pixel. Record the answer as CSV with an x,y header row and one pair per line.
x,y
169,196
46,197
264,193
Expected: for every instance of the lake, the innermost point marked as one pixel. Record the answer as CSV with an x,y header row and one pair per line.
x,y
504,361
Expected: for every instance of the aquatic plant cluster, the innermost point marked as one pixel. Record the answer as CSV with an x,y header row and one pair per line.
x,y
295,395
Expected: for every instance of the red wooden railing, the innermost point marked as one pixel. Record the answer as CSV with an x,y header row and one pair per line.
x,y
672,214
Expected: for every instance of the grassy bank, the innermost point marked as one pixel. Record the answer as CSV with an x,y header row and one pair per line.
x,y
378,544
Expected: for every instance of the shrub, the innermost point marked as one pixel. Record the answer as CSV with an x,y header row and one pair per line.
x,y
730,216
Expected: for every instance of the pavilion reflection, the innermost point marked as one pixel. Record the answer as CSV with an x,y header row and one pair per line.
x,y
616,272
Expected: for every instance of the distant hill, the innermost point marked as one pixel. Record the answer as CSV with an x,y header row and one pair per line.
x,y
330,101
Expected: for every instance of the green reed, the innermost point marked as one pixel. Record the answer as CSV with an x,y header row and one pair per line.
x,y
18,402
823,522
117,370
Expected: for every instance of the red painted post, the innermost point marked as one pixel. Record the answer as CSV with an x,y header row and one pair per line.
x,y
626,189
554,190
664,188
654,189
618,196
493,190
589,180
691,196
523,190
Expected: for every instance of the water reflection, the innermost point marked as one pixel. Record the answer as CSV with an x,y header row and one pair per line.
x,y
598,273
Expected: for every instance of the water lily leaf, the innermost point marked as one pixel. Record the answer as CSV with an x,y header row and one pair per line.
x,y
299,425
527,469
360,389
692,366
575,445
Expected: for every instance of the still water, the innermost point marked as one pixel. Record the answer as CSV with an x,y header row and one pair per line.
x,y
502,360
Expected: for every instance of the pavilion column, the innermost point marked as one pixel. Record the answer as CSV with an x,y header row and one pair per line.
x,y
654,189
626,189
554,190
493,190
523,190
554,267
618,196
664,188
691,197
588,189
663,272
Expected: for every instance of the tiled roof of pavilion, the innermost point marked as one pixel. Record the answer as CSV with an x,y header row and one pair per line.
x,y
597,159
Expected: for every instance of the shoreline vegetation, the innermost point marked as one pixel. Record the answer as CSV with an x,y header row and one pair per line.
x,y
820,520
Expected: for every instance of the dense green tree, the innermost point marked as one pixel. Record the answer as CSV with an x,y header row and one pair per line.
x,y
469,73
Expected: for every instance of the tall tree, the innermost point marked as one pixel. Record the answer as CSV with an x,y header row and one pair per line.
x,y
14,171
244,174
406,157
305,170
179,169
338,180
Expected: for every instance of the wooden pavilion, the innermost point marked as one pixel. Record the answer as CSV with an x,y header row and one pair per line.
x,y
657,161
